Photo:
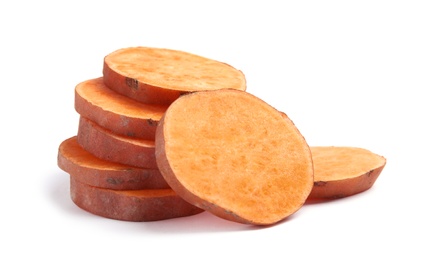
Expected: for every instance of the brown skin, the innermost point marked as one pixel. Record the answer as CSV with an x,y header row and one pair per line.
x,y
119,114
160,76
131,205
114,148
88,169
344,188
343,171
235,157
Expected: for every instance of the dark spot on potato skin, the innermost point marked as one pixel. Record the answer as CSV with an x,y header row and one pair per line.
x,y
182,93
320,183
114,181
132,83
130,134
151,122
337,196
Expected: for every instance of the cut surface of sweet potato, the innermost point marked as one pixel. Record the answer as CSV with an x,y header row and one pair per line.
x,y
344,171
116,112
234,155
130,205
159,76
86,168
106,145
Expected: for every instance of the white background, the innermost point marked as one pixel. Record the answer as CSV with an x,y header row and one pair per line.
x,y
354,73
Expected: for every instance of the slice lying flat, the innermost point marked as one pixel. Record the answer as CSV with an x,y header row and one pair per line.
x,y
159,76
116,112
131,205
116,148
344,171
232,154
88,169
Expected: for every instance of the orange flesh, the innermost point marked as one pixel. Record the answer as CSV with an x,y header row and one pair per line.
x,y
99,95
338,163
228,149
175,70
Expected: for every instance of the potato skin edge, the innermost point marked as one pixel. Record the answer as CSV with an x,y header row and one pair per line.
x,y
329,190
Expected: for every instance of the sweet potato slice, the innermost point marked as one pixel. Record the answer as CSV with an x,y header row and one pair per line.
x,y
131,205
106,145
344,171
116,112
234,155
86,168
159,76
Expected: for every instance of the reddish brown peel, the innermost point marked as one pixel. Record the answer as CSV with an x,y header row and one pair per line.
x,y
131,205
232,154
160,76
116,148
86,168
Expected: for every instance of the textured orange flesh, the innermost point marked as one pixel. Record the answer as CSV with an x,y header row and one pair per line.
x,y
116,112
130,205
115,148
85,167
159,76
344,171
234,155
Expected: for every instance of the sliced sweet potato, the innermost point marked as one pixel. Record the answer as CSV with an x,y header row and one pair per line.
x,y
232,154
106,145
116,112
86,168
159,76
344,171
130,205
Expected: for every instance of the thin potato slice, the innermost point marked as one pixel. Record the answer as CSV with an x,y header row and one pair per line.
x,y
159,76
344,171
108,146
86,168
131,205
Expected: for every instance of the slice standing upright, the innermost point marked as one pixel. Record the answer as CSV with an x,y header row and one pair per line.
x,y
234,155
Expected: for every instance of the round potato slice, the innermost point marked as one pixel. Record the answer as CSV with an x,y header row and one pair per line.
x,y
344,171
159,75
234,155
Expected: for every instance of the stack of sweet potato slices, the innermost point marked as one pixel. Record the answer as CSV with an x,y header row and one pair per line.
x,y
111,160
166,134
